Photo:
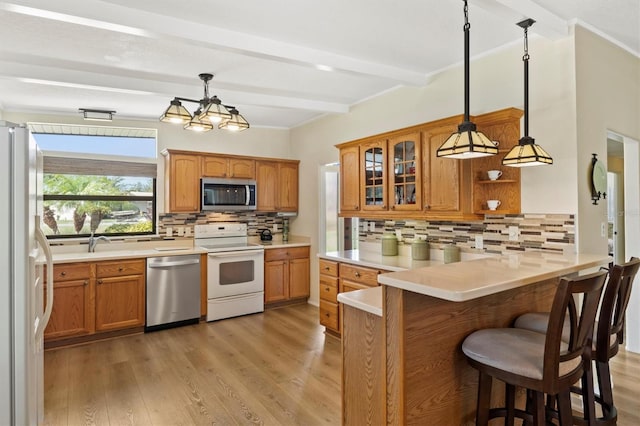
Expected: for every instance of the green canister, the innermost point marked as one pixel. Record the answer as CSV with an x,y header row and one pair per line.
x,y
451,254
419,249
389,245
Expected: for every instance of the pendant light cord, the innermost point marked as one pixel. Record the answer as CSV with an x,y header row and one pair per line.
x,y
467,27
525,59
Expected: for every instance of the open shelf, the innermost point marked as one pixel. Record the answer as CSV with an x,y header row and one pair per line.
x,y
497,181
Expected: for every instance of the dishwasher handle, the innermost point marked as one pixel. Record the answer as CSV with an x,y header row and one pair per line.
x,y
176,263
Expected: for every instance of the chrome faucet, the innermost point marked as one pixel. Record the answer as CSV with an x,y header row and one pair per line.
x,y
93,242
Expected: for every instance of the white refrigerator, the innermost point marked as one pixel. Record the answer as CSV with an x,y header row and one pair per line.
x,y
23,252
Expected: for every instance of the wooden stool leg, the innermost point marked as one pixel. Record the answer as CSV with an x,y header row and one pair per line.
x,y
484,399
565,415
510,403
604,382
539,417
588,396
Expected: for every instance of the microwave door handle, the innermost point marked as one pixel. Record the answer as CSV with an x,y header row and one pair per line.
x,y
248,198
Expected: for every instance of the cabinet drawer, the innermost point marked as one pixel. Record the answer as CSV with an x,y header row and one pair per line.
x,y
359,274
346,286
120,268
286,253
71,271
328,289
328,267
329,315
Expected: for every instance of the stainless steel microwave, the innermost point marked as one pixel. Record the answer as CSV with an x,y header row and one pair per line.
x,y
228,194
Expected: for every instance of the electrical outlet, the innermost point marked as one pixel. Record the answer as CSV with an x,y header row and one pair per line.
x,y
169,231
187,232
514,233
479,242
275,227
372,226
603,229
180,231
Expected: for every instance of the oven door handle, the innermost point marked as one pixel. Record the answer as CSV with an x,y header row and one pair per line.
x,y
235,253
248,198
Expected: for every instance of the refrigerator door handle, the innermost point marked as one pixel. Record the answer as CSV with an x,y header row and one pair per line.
x,y
42,240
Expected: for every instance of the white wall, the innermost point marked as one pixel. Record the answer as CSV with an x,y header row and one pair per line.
x,y
496,83
607,99
257,142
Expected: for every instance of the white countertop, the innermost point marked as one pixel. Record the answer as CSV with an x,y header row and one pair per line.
x,y
294,241
374,259
472,279
123,250
368,300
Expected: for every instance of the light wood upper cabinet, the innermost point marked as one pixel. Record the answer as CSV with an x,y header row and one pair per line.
x,y
267,185
398,173
373,175
350,179
182,183
504,127
405,172
442,184
228,167
277,180
277,185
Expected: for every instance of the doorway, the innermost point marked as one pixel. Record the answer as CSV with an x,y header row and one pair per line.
x,y
628,243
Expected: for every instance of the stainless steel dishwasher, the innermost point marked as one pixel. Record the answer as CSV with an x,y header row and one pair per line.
x,y
173,291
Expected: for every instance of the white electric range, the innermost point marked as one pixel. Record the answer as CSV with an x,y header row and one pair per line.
x,y
235,270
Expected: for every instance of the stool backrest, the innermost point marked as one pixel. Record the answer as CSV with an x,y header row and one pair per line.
x,y
615,300
565,361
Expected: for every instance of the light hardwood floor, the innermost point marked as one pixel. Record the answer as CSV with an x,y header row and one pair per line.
x,y
276,368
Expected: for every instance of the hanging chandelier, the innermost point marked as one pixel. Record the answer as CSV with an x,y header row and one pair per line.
x,y
467,142
211,111
527,152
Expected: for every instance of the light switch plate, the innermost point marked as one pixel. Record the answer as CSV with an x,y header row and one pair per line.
x,y
514,233
479,242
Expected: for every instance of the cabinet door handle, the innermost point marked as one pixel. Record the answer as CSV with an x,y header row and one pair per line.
x,y
326,289
358,274
384,206
99,281
327,315
393,207
63,273
357,208
326,268
86,282
120,269
426,206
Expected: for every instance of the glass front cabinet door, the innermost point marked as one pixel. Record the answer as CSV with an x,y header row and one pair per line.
x,y
404,171
373,175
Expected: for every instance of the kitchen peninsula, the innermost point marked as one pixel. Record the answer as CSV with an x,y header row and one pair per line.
x,y
402,362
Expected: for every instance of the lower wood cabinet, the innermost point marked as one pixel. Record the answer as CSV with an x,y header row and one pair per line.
x,y
340,277
96,297
286,275
73,307
120,296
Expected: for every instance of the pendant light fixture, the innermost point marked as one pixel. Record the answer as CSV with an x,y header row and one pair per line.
x,y
467,142
211,111
526,153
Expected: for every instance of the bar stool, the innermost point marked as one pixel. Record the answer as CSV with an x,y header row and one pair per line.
x,y
541,363
608,335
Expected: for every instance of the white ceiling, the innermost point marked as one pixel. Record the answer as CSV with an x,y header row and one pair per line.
x,y
280,62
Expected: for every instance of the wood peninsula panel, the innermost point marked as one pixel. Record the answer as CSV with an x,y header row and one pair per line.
x,y
428,378
363,367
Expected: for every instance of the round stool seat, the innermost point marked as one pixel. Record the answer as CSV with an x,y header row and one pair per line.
x,y
516,351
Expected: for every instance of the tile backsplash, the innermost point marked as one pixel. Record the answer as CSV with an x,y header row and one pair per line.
x,y
182,223
554,233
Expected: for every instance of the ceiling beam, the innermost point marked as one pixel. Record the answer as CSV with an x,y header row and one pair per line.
x,y
111,17
105,79
548,25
